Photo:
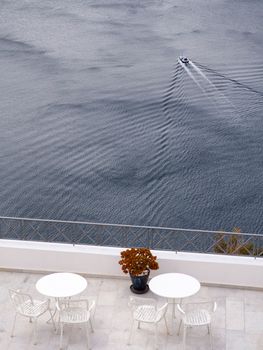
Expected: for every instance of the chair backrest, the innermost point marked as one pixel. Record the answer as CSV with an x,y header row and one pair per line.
x,y
21,301
85,304
208,305
134,302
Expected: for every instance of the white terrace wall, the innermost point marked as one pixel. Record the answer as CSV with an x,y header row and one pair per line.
x,y
103,261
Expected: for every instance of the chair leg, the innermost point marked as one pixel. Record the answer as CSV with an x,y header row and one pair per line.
x,y
13,328
35,331
156,336
91,325
87,335
130,335
179,328
184,337
139,325
166,325
61,335
210,336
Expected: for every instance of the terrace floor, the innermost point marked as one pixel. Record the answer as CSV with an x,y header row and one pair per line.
x,y
237,324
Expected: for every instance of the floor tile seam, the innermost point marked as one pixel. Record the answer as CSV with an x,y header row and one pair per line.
x,y
225,323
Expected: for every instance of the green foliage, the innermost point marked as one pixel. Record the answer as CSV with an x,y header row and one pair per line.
x,y
234,244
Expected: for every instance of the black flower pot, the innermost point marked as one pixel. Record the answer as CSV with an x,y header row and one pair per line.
x,y
139,283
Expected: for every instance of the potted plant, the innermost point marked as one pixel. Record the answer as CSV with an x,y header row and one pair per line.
x,y
138,262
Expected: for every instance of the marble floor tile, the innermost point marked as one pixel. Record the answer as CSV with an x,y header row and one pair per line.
x,y
235,314
253,321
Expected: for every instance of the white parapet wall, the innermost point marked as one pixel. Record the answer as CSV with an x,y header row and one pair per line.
x,y
103,261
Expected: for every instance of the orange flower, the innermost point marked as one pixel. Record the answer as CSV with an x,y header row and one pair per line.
x,y
137,260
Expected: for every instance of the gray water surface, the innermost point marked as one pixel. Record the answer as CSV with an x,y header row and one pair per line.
x,y
99,121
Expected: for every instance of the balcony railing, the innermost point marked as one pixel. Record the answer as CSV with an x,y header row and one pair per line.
x,y
115,235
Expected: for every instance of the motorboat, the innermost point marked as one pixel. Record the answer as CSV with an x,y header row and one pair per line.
x,y
184,59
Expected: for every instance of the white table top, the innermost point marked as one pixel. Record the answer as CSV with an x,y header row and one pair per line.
x,y
61,285
174,285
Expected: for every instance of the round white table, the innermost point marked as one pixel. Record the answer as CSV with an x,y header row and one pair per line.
x,y
61,285
174,286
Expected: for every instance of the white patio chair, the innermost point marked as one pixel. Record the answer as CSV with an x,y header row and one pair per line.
x,y
146,310
76,311
196,314
26,306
